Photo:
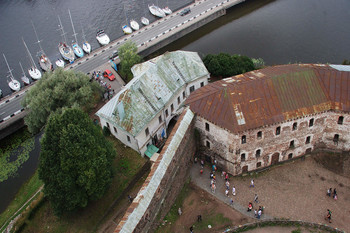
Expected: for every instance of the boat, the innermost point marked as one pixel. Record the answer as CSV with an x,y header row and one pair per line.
x,y
44,61
102,37
127,29
76,48
144,21
86,45
156,11
167,10
13,83
24,77
33,71
134,25
66,51
60,63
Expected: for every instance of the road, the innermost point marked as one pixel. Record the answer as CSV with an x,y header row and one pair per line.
x,y
146,35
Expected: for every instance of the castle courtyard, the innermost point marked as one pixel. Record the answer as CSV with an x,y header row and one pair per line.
x,y
294,190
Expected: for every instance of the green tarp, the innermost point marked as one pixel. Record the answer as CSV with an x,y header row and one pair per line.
x,y
151,149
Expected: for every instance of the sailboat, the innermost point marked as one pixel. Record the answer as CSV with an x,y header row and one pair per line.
x,y
76,48
13,83
167,10
156,11
134,25
86,45
59,63
33,71
144,21
66,51
24,77
44,61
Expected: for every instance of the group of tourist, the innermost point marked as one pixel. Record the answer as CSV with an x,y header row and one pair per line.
x,y
257,212
98,77
329,193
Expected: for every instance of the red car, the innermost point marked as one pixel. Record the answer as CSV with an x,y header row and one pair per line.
x,y
108,74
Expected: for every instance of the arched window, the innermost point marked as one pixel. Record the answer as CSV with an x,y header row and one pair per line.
x,y
259,135
242,157
311,122
295,126
340,120
257,153
278,130
244,139
208,144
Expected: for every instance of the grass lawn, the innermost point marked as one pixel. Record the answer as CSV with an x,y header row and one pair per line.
x,y
127,164
27,191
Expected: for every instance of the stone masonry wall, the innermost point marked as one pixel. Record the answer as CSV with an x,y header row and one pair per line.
x,y
296,138
170,184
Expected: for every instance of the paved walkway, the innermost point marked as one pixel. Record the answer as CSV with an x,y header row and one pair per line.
x,y
203,181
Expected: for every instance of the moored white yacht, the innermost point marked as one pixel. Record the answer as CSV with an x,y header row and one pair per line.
x,y
86,45
65,50
144,21
134,25
44,61
127,29
13,83
167,10
59,63
24,77
33,70
156,11
102,37
76,48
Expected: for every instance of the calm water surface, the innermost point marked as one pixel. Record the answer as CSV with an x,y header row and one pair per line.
x,y
281,31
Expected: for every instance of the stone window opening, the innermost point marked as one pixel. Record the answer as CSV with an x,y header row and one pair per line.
x,y
242,157
115,129
178,100
166,113
160,119
257,153
244,139
311,122
340,120
258,164
291,144
295,126
202,84
107,125
336,139
183,95
290,156
191,89
172,107
147,132
278,130
259,135
128,138
207,127
208,144
308,139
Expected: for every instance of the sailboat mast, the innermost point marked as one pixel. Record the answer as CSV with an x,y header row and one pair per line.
x,y
30,55
75,34
20,64
37,38
82,32
61,27
10,71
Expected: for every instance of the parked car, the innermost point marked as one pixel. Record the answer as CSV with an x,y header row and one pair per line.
x,y
185,11
114,55
108,74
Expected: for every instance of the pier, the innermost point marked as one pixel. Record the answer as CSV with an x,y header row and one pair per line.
x,y
148,40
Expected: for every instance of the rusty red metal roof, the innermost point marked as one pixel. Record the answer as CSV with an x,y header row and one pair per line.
x,y
271,95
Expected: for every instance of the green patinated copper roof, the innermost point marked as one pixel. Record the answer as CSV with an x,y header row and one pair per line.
x,y
155,83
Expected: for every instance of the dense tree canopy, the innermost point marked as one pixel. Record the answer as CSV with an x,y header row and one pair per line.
x,y
128,57
224,65
56,90
75,162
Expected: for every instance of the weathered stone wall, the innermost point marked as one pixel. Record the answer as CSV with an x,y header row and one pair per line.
x,y
167,177
296,138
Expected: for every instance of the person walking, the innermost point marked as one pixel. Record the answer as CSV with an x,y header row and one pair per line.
x,y
329,216
329,192
251,183
334,193
256,198
233,191
259,213
199,218
226,192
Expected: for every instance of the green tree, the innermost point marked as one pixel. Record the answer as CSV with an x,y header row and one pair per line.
x,y
75,162
56,90
128,57
224,65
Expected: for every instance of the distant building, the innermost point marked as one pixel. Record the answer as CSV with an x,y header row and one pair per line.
x,y
263,117
140,113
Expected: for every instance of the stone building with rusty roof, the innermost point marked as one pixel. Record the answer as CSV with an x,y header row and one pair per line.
x,y
140,113
253,120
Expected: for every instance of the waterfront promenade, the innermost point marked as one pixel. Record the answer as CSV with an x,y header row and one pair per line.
x,y
148,40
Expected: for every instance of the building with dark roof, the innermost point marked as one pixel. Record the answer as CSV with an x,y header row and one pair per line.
x,y
262,117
